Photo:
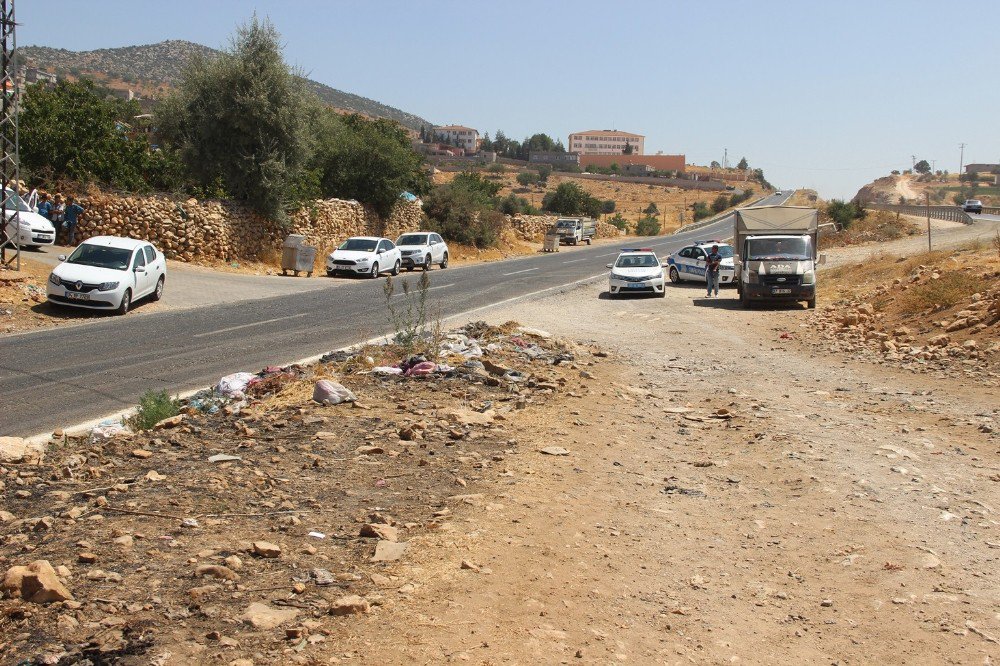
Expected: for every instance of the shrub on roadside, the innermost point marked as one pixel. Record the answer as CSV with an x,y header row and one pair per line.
x,y
647,226
945,292
701,211
618,222
153,408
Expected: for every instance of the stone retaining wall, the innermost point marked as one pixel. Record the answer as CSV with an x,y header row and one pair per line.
x,y
190,230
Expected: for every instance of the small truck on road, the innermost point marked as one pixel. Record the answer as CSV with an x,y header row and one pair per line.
x,y
576,230
776,256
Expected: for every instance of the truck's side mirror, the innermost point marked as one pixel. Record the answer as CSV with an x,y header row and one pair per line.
x,y
822,259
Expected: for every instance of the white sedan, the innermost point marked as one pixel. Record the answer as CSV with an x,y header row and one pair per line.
x,y
34,229
365,255
420,249
108,273
636,271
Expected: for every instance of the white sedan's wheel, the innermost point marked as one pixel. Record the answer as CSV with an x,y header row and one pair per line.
x,y
375,271
158,292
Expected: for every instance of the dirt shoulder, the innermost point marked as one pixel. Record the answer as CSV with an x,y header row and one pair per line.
x,y
722,490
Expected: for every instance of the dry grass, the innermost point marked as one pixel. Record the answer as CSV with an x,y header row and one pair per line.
x,y
846,281
876,227
947,291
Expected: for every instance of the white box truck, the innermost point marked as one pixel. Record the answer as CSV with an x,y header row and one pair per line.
x,y
776,256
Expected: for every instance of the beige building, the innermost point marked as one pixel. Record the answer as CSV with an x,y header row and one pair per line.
x,y
605,142
456,135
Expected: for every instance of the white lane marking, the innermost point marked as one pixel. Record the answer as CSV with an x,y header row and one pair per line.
x,y
417,289
256,323
309,360
573,261
526,270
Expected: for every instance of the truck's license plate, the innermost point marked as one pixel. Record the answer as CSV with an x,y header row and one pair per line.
x,y
781,291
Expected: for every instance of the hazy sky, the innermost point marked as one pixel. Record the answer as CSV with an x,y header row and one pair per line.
x,y
825,94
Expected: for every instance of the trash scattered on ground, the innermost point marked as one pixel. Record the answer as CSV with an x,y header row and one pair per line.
x,y
179,531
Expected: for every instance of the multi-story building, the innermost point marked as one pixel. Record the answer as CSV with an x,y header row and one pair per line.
x,y
605,142
456,135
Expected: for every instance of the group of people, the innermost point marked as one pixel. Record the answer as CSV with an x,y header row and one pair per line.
x,y
62,214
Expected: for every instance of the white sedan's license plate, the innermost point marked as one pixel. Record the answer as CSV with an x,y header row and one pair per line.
x,y
77,297
635,285
781,291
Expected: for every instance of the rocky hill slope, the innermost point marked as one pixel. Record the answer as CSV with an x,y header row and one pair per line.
x,y
156,66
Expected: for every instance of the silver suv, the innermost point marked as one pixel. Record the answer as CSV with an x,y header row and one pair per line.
x,y
973,206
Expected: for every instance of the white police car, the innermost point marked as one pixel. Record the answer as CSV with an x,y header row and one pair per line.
x,y
688,263
636,271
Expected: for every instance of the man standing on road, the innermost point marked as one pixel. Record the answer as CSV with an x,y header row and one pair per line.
x,y
73,212
712,263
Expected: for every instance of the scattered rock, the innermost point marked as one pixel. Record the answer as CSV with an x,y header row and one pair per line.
x,y
554,451
38,583
266,549
377,531
349,605
16,450
216,571
142,453
263,616
389,551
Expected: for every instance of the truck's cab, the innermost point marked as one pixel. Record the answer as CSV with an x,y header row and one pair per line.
x,y
777,258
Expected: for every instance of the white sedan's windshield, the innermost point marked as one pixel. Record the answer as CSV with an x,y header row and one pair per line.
x,y
115,258
779,248
14,202
412,239
726,252
359,245
636,261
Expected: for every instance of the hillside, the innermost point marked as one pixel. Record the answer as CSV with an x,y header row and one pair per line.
x,y
152,68
945,189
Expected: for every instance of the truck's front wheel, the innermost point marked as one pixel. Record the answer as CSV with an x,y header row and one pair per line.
x,y
744,299
811,303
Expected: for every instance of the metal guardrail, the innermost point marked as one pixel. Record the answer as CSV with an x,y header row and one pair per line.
x,y
950,213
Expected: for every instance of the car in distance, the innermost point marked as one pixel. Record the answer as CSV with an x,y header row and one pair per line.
x,y
108,273
365,255
688,263
34,230
420,249
636,271
973,206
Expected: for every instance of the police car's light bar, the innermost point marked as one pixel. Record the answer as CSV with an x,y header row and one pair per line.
x,y
637,249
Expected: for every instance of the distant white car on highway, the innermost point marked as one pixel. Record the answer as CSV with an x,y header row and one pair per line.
x,y
973,206
365,255
636,271
421,249
108,273
688,263
34,230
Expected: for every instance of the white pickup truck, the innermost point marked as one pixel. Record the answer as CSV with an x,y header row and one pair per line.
x,y
576,230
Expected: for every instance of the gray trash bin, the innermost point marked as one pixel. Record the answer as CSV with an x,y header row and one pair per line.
x,y
297,257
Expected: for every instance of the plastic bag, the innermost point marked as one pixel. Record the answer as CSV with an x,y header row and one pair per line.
x,y
232,386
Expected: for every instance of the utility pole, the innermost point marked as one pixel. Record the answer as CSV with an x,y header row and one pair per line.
x,y
913,159
725,158
927,198
9,176
961,158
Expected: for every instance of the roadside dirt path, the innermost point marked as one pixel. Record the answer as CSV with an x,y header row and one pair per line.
x,y
840,513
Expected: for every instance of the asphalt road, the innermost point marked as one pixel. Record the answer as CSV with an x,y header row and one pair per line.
x,y
63,376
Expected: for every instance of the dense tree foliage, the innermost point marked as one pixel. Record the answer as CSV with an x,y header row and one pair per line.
x,y
72,131
464,210
844,213
243,119
571,199
367,160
